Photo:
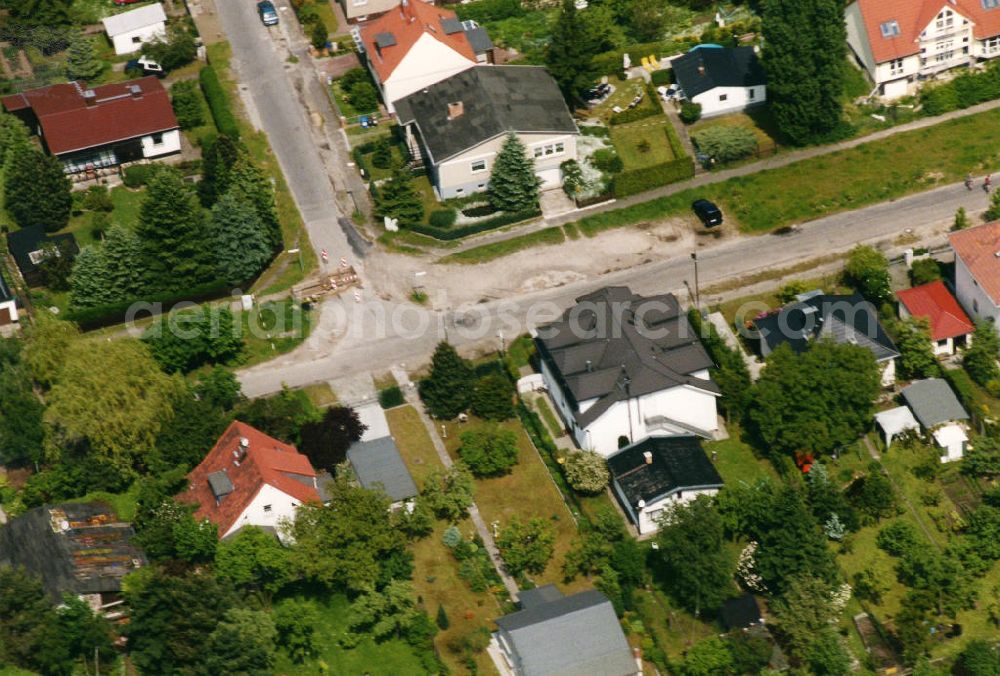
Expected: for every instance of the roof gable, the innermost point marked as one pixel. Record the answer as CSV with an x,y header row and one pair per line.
x,y
238,466
126,22
934,302
389,38
933,402
674,463
378,465
979,250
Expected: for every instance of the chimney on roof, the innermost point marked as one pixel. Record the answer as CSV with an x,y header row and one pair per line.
x,y
648,457
89,97
701,69
455,110
136,91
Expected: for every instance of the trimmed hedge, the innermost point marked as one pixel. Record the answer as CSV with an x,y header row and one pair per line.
x,y
640,180
479,211
115,313
443,218
473,228
662,77
391,397
964,388
218,102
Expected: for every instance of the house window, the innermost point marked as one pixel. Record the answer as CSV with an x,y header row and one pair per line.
x,y
890,29
975,306
723,97
359,3
943,343
991,4
459,190
992,45
158,139
751,93
945,19
478,165
655,514
896,67
549,149
267,508
136,40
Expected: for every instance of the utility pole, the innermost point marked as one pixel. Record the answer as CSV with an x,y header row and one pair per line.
x,y
697,292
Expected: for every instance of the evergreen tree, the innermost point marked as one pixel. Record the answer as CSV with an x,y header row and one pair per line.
x,y
570,54
89,281
249,182
448,389
81,59
493,398
241,247
442,618
39,12
121,256
398,198
961,220
37,191
176,248
805,57
513,182
218,157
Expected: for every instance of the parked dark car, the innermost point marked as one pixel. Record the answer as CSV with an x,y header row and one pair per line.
x,y
145,67
709,214
268,15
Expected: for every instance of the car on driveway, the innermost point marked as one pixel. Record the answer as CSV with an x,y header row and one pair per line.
x,y
268,14
145,66
707,212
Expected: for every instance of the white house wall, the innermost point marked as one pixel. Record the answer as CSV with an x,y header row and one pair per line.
x,y
171,143
455,177
11,307
736,99
282,508
131,42
428,62
976,302
650,515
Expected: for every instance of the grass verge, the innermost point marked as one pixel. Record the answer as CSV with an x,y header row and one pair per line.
x,y
489,252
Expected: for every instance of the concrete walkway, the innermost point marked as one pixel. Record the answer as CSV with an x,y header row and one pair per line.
x,y
710,178
726,332
412,398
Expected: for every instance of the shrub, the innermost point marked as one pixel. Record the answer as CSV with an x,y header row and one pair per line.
x,y
473,228
897,538
725,143
491,10
492,398
924,271
607,160
363,97
218,102
382,155
97,198
178,50
138,175
489,450
443,218
187,104
480,211
690,112
587,472
663,77
390,397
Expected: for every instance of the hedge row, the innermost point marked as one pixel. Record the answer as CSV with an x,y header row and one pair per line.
x,y
474,228
662,77
218,102
968,89
639,180
115,313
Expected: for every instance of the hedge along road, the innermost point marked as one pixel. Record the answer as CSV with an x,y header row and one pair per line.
x,y
813,182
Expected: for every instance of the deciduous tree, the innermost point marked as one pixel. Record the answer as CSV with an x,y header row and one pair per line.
x,y
183,341
867,269
390,613
29,631
244,642
513,182
296,620
448,493
913,338
489,450
325,442
980,358
587,472
526,547
255,560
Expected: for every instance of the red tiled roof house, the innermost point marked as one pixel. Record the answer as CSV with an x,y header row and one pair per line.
x,y
250,479
950,326
977,270
900,42
416,45
100,127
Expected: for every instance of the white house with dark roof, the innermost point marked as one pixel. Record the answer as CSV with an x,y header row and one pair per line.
x,y
557,635
621,367
941,415
129,30
459,124
652,476
721,79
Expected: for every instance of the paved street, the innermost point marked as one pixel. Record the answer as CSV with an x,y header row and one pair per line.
x,y
351,338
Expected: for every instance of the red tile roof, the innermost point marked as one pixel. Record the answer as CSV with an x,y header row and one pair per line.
x,y
913,16
935,302
407,23
266,461
979,249
117,114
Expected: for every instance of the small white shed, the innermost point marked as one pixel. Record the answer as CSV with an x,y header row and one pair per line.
x,y
129,30
895,422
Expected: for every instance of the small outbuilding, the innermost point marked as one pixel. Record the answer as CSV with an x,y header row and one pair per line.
x,y
894,422
8,303
378,465
940,414
129,30
29,247
741,612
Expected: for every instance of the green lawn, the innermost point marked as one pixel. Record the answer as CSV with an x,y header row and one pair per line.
x,y
488,252
736,461
273,328
321,395
622,95
368,657
127,203
642,144
847,179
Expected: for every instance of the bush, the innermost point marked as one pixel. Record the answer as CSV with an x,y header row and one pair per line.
x,y
493,398
725,143
363,97
218,103
178,50
391,397
587,472
489,450
662,78
924,271
897,538
607,160
443,218
480,211
186,101
473,228
491,10
97,198
690,112
382,155
138,175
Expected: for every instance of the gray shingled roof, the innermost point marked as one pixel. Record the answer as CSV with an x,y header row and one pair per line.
x,y
614,345
568,636
378,466
933,402
705,68
495,99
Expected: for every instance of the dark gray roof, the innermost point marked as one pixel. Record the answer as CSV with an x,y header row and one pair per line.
x,y
530,598
22,243
614,345
76,548
385,40
220,484
5,293
705,68
844,319
569,635
933,402
495,99
679,463
479,40
451,25
740,612
378,465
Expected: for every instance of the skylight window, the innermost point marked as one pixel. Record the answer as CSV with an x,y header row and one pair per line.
x,y
991,4
890,29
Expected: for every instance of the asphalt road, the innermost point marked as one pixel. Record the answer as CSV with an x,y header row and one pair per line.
x,y
353,338
263,69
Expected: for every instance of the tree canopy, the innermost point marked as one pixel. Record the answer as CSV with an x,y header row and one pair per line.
x,y
489,450
570,53
447,391
325,442
36,189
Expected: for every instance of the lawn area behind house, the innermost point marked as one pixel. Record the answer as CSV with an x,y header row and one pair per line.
x,y
736,461
642,144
